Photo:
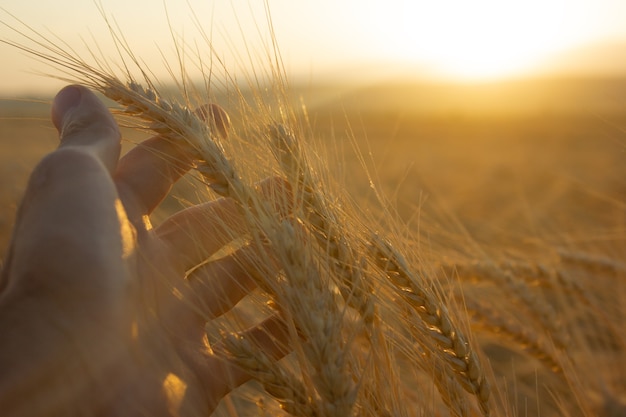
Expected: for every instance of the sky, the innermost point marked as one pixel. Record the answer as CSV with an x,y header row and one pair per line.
x,y
458,40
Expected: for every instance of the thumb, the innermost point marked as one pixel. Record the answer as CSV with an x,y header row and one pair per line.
x,y
84,122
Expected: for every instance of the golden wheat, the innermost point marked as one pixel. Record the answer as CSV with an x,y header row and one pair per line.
x,y
358,309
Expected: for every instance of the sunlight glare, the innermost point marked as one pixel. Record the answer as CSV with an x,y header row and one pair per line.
x,y
475,40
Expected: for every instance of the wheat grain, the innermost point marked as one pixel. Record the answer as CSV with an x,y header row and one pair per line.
x,y
491,321
453,348
504,278
278,382
328,230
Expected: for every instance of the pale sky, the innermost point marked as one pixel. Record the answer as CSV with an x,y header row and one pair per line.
x,y
355,39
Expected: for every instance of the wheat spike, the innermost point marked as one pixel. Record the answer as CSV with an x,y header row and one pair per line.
x,y
345,260
279,383
453,347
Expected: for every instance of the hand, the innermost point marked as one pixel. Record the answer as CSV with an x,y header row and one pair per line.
x,y
96,317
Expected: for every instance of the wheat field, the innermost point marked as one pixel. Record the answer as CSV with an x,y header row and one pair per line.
x,y
434,262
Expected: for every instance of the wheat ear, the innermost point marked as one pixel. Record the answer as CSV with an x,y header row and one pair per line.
x,y
449,389
323,357
491,321
311,306
501,275
326,230
453,347
279,383
180,123
345,261
342,253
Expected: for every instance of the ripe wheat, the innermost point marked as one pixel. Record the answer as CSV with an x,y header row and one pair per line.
x,y
357,305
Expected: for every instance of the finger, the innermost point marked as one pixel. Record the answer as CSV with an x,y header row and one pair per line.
x,y
84,123
68,238
269,339
146,173
70,200
198,232
218,286
216,117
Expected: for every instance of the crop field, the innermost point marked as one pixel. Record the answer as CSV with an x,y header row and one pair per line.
x,y
523,178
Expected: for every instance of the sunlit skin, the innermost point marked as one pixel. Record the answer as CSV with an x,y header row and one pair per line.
x,y
96,317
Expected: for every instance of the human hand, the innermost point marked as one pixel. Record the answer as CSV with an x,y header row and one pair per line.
x,y
95,313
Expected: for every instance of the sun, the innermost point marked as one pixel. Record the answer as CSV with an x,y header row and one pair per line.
x,y
478,39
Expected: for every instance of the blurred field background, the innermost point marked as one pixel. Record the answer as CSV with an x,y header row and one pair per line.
x,y
505,119
505,170
523,169
508,161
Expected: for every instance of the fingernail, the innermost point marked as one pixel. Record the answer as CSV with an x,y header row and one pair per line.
x,y
65,100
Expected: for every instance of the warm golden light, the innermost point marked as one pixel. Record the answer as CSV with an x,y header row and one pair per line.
x,y
350,39
174,389
480,39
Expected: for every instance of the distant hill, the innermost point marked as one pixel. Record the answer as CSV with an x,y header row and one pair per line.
x,y
24,107
546,95
521,96
586,79
607,59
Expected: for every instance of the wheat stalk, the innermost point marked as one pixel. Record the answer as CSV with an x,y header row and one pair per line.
x,y
332,236
319,252
177,122
453,347
315,313
279,383
306,300
536,307
330,233
489,319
